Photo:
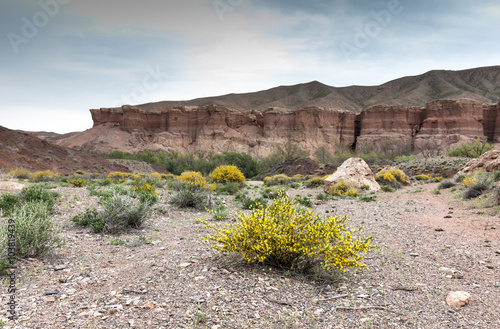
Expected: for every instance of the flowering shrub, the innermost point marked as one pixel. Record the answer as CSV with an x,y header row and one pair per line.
x,y
468,181
422,177
285,234
77,182
19,173
315,181
194,178
227,174
44,176
80,172
392,177
157,175
122,175
146,188
280,179
343,188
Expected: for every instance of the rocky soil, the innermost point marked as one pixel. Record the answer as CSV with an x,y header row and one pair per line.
x,y
428,245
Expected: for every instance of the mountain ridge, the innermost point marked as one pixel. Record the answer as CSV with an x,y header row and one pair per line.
x,y
479,84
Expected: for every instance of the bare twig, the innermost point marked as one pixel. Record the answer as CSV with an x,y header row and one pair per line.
x,y
334,297
362,308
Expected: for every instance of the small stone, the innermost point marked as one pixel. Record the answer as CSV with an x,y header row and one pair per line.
x,y
63,280
59,267
447,216
50,299
447,270
149,305
51,292
413,254
439,229
319,311
491,267
71,291
184,265
86,313
458,298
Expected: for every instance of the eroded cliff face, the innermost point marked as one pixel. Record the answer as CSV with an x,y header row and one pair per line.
x,y
218,129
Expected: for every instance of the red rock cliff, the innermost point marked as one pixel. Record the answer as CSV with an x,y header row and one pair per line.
x,y
216,128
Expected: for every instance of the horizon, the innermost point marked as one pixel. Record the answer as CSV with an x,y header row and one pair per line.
x,y
61,58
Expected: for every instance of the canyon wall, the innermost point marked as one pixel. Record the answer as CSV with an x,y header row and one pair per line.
x,y
217,128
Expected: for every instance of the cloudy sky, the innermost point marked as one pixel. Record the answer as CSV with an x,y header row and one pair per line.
x,y
60,58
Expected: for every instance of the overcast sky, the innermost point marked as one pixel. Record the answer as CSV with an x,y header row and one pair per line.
x,y
60,58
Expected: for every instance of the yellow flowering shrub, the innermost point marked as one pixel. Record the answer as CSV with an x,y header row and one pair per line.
x,y
156,175
195,178
284,234
468,181
80,172
296,177
315,181
392,177
343,188
437,178
227,174
43,176
422,177
146,188
77,182
19,173
280,179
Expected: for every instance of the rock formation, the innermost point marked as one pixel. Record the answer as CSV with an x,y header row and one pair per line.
x,y
216,128
355,171
489,161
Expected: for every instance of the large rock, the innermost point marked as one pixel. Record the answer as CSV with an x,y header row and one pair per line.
x,y
355,171
489,161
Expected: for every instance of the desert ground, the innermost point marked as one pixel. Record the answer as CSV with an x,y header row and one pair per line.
x,y
163,276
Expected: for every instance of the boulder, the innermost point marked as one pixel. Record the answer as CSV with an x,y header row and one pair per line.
x,y
458,298
489,161
355,171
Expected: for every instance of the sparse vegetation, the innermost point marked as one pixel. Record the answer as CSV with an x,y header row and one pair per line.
x,y
470,150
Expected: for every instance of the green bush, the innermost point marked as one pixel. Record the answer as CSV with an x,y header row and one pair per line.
x,y
253,203
34,231
303,201
387,188
446,184
190,196
470,150
8,203
285,234
119,213
227,189
37,192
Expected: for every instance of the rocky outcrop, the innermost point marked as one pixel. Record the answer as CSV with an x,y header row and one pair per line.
x,y
217,128
354,171
489,161
439,124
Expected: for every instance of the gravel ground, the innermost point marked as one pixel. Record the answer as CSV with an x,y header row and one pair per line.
x,y
429,245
